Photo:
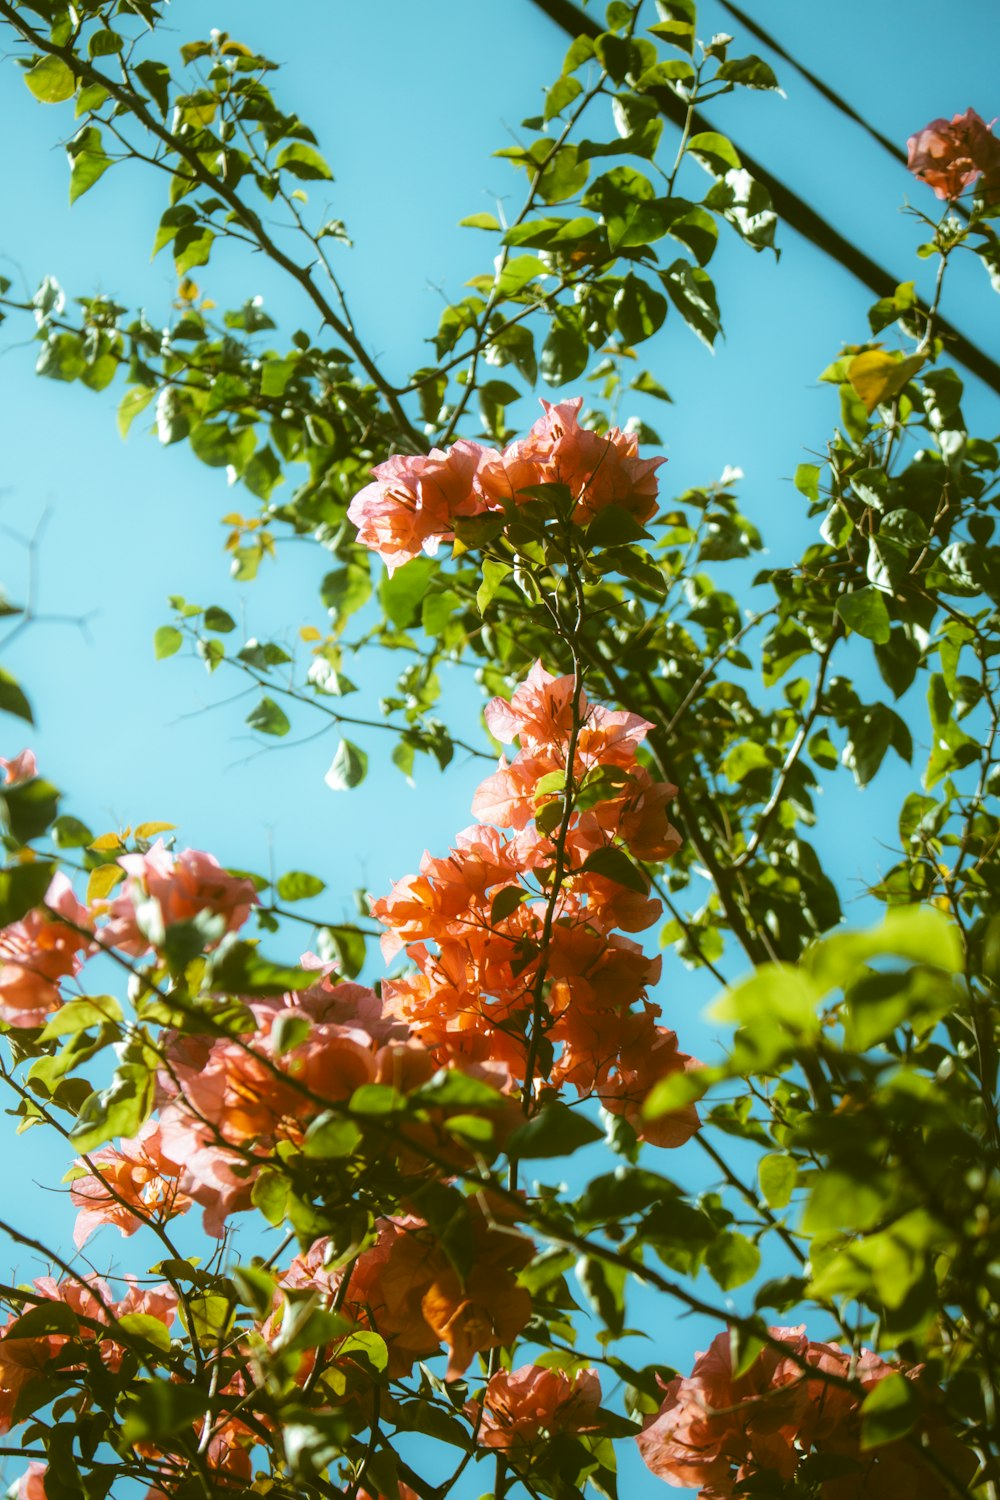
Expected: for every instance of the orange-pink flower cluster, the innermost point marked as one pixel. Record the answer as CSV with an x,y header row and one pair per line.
x,y
528,1406
39,952
716,1430
23,1360
490,956
414,500
135,1183
950,155
407,1288
226,1103
164,889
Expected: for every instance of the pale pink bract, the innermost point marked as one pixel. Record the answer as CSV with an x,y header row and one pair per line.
x,y
951,155
21,768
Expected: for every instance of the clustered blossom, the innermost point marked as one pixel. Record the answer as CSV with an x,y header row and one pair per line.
x,y
414,500
475,924
135,1183
408,1290
716,1430
951,155
528,1406
164,889
39,952
23,1360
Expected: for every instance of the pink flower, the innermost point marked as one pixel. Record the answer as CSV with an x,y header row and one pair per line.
x,y
712,1423
22,768
532,1404
39,951
31,1485
648,1053
136,1183
951,155
599,469
413,500
177,889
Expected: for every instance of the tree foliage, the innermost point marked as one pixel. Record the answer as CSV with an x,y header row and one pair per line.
x,y
671,746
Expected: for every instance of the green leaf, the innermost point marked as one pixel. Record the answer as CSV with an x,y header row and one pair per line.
x,y
603,1285
517,273
480,221
919,934
87,159
438,610
639,310
134,401
888,1412
732,1259
219,620
330,1135
752,72
556,1130
507,900
692,292
159,1408
22,888
143,1328
715,153
746,205
296,885
348,769
29,807
167,640
43,1319
81,1015
71,833
614,526
565,353
118,1110
51,80
864,611
806,481
236,968
614,864
268,718
773,993
155,79
777,1175
303,161
494,574
12,699
400,594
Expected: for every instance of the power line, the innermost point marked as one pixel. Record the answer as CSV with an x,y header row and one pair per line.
x,y
795,212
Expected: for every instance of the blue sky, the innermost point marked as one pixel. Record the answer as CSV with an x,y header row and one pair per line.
x,y
408,103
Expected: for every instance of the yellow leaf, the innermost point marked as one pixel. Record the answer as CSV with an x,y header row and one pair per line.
x,y
302,197
309,633
188,290
207,304
107,841
233,519
103,881
877,376
237,47
149,830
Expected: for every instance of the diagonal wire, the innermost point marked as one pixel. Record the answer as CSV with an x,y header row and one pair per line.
x,y
795,212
